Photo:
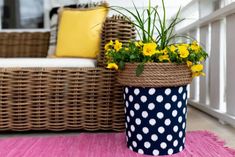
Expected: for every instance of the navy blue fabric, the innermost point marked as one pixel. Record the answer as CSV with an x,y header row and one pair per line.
x,y
155,119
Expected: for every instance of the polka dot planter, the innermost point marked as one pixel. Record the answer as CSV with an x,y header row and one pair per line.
x,y
155,119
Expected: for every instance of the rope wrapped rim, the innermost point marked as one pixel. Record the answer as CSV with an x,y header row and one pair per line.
x,y
156,75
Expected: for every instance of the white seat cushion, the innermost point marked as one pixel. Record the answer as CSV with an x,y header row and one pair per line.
x,y
46,62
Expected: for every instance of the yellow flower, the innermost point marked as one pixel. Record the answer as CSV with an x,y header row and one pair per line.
x,y
183,50
108,45
126,49
189,63
149,49
158,51
139,44
195,47
197,68
186,45
194,42
172,48
112,66
165,52
196,74
164,58
118,45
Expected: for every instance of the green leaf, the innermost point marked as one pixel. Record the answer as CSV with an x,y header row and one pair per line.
x,y
121,65
139,69
132,57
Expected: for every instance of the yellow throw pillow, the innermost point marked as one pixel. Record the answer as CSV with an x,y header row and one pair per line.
x,y
79,33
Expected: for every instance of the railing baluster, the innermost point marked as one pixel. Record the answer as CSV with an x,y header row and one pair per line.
x,y
205,41
194,87
214,64
230,41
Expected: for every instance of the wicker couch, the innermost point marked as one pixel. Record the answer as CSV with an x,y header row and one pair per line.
x,y
60,98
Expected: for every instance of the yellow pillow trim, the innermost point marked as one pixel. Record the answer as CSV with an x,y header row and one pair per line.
x,y
79,32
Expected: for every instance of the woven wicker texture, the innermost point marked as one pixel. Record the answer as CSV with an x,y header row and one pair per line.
x,y
115,28
60,99
156,75
24,44
63,98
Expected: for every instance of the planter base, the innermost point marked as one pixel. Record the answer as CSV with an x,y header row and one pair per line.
x,y
155,119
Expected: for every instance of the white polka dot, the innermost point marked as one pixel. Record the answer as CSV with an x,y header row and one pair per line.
x,y
124,96
129,134
184,140
134,144
137,106
184,110
152,91
145,130
163,145
184,96
128,119
127,104
125,110
174,113
170,151
152,122
168,91
138,121
183,125
175,143
130,148
155,152
176,128
143,99
131,98
139,137
161,130
181,134
159,98
174,98
132,128
151,106
144,114
147,145
180,119
169,137
181,148
160,115
126,138
132,113
137,91
126,90
180,90
179,104
140,151
188,87
167,106
167,122
154,137
126,125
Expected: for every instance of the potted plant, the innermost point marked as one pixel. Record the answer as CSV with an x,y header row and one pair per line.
x,y
155,72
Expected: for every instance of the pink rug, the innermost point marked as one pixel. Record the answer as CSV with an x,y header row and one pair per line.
x,y
198,144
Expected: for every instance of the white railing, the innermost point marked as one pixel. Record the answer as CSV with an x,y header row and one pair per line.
x,y
215,93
